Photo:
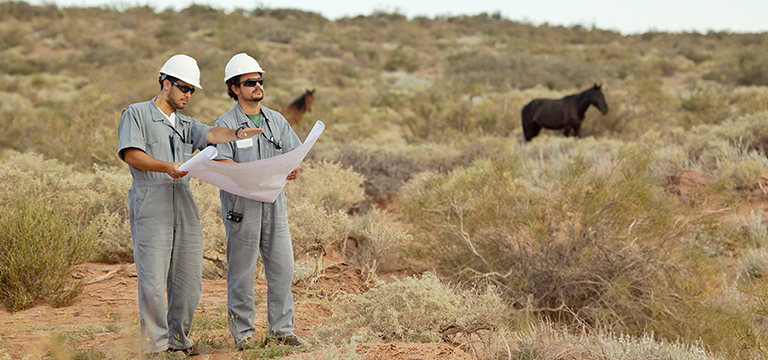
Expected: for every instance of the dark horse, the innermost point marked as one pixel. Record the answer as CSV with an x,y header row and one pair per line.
x,y
294,112
566,113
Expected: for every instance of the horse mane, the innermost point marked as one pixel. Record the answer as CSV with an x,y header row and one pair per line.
x,y
582,94
294,112
583,97
300,103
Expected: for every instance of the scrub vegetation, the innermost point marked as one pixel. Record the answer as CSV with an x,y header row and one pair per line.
x,y
645,238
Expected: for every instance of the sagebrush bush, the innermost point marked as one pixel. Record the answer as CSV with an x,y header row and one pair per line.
x,y
416,308
377,241
757,229
39,247
328,185
374,242
598,246
547,341
314,229
705,103
745,174
98,198
753,263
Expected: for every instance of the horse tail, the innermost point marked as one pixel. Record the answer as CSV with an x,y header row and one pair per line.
x,y
530,128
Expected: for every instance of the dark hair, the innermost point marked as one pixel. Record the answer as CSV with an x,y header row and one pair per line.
x,y
164,77
232,81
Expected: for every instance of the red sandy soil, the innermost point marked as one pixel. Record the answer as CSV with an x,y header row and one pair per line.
x,y
110,299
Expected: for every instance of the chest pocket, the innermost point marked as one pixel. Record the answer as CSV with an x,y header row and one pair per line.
x,y
186,152
160,150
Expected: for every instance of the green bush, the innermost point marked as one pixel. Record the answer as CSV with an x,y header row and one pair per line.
x,y
98,198
39,247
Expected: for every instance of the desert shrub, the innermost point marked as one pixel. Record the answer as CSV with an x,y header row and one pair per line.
x,y
753,263
328,185
113,240
753,67
385,171
744,66
696,53
376,240
711,147
314,229
755,290
598,246
745,174
25,11
39,247
705,103
738,167
402,59
418,309
548,341
757,229
750,131
97,198
67,121
522,70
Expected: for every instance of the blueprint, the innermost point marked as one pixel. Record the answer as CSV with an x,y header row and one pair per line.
x,y
260,180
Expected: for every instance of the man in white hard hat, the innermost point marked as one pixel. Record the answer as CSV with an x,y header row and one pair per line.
x,y
154,139
254,226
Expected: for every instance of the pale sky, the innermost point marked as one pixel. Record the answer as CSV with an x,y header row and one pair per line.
x,y
627,17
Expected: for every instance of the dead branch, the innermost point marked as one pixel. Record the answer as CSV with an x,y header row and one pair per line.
x,y
108,275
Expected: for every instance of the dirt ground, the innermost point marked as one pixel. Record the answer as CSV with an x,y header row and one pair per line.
x,y
105,316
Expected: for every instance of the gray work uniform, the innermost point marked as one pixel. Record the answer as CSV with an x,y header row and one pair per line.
x,y
264,228
165,225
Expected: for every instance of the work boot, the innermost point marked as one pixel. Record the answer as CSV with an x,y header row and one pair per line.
x,y
291,340
191,351
246,344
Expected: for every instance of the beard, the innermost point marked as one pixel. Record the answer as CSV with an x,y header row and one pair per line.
x,y
253,97
177,103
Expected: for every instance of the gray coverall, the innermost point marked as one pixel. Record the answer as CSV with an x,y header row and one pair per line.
x,y
264,228
165,225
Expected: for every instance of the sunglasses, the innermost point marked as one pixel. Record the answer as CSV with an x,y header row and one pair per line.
x,y
252,82
184,88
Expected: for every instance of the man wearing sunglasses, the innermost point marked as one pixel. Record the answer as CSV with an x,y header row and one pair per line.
x,y
154,139
252,226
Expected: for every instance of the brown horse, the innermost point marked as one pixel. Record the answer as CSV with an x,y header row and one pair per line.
x,y
294,112
566,113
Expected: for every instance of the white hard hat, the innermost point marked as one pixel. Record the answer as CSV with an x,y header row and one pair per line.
x,y
183,68
241,64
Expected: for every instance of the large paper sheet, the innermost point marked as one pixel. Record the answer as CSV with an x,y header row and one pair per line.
x,y
260,180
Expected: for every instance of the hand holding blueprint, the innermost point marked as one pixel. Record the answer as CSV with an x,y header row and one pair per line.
x,y
260,180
